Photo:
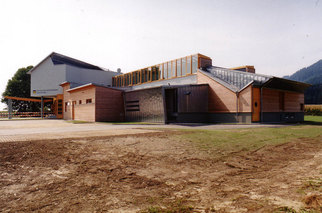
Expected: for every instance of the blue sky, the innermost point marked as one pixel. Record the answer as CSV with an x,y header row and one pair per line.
x,y
278,37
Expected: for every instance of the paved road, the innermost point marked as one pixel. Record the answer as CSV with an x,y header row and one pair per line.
x,y
17,130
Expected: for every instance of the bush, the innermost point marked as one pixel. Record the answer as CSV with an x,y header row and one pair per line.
x,y
313,110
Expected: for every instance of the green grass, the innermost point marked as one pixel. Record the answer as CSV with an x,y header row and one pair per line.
x,y
311,118
131,123
78,122
227,141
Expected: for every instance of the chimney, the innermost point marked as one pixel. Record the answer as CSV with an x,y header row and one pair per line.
x,y
246,68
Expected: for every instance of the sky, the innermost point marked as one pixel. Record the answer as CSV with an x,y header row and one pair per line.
x,y
278,37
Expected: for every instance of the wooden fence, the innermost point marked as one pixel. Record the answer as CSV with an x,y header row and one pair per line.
x,y
24,114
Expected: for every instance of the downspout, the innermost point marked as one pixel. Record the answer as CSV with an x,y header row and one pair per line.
x,y
165,117
237,107
261,108
42,107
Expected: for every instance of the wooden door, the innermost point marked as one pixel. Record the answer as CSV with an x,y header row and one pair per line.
x,y
59,106
256,107
73,110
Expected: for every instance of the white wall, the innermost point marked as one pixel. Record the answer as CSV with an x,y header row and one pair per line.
x,y
46,78
85,76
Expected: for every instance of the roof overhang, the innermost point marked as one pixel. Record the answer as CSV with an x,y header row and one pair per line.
x,y
285,84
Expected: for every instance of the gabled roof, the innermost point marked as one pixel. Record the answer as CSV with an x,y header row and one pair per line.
x,y
89,85
62,59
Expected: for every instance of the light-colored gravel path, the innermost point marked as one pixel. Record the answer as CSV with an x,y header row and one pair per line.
x,y
23,130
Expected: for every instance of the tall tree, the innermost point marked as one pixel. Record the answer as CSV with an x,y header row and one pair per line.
x,y
19,86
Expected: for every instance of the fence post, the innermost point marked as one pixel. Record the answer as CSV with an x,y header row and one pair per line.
x,y
42,107
9,109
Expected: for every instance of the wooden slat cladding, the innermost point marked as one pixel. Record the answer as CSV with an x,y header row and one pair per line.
x,y
109,104
221,99
192,98
293,101
282,101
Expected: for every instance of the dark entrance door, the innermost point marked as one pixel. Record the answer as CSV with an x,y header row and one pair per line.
x,y
171,101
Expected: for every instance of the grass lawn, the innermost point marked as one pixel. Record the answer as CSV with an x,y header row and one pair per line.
x,y
311,118
228,141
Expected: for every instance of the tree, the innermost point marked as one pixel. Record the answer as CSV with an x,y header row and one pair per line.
x,y
19,86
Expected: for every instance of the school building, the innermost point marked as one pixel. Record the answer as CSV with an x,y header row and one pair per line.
x,y
184,90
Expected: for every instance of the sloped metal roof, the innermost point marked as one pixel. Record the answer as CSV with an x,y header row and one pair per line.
x,y
62,59
237,79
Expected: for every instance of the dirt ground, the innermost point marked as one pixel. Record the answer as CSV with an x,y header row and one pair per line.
x,y
131,173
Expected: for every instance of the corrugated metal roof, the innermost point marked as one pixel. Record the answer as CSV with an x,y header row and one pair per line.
x,y
62,59
236,80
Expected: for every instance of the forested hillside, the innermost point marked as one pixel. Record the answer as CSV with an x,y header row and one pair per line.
x,y
311,75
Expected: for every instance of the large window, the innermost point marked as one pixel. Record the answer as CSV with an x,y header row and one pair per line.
x,y
161,71
194,63
174,68
189,65
165,70
169,69
179,67
184,66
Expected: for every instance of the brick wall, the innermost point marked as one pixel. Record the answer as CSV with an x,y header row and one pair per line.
x,y
84,111
150,105
221,99
245,100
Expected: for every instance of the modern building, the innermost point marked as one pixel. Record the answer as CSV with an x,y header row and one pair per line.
x,y
188,89
55,69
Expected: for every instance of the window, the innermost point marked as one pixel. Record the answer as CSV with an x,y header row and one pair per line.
x,y
132,106
189,65
174,67
169,69
161,71
179,67
194,63
184,67
80,102
165,70
88,101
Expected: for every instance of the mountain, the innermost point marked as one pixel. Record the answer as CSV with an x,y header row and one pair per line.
x,y
311,75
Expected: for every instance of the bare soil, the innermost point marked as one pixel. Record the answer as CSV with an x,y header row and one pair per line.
x,y
129,173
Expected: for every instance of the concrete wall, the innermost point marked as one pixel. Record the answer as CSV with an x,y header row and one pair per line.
x,y
46,78
85,76
109,104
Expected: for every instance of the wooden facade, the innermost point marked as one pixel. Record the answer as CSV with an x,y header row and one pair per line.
x,y
92,103
282,101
